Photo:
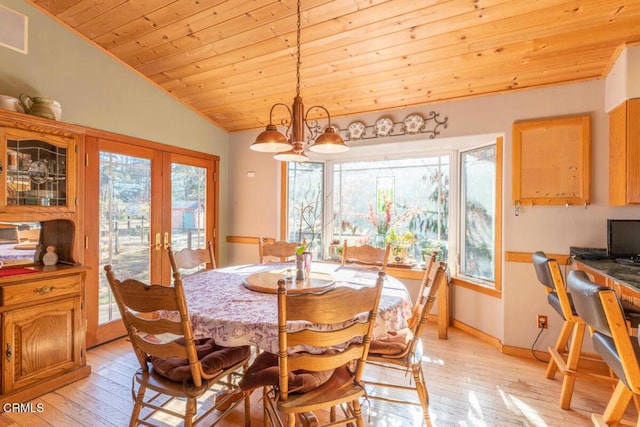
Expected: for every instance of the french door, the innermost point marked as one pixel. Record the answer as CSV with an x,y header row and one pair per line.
x,y
139,202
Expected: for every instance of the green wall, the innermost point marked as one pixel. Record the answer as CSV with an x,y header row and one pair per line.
x,y
100,92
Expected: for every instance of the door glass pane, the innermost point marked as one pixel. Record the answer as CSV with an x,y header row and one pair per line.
x,y
477,254
125,206
188,202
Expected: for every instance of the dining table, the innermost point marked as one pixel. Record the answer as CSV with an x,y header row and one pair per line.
x,y
224,305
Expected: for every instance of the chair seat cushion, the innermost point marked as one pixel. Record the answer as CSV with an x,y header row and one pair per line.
x,y
213,358
264,372
339,388
394,343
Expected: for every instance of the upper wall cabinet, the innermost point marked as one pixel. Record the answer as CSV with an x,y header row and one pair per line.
x,y
551,161
37,169
624,153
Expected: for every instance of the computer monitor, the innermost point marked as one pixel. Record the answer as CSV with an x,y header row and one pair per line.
x,y
623,238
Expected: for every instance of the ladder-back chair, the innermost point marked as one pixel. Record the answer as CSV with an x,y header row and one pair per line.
x,y
276,251
365,255
173,366
329,315
191,259
402,351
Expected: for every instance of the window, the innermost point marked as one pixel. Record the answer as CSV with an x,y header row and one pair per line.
x,y
478,202
403,202
305,205
418,202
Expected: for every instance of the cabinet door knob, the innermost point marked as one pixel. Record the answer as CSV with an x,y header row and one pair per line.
x,y
8,352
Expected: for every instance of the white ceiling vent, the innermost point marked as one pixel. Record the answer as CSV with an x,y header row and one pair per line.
x,y
13,29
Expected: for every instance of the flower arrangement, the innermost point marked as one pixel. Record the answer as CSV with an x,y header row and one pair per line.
x,y
381,223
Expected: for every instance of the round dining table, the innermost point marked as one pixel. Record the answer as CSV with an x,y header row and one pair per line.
x,y
222,303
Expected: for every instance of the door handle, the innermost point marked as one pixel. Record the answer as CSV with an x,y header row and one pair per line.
x,y
166,240
158,242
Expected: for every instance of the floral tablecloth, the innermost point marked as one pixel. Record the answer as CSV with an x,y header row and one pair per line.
x,y
220,306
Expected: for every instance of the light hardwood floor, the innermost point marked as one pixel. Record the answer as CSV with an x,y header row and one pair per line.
x,y
471,383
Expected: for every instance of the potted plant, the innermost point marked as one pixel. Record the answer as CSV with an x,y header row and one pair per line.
x,y
433,245
400,244
335,249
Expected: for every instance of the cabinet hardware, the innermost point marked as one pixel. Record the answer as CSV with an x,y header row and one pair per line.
x,y
166,240
158,242
44,289
8,352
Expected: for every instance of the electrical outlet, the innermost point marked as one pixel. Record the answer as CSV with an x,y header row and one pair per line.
x,y
542,321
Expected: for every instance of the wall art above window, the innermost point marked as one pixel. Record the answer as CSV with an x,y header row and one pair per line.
x,y
384,127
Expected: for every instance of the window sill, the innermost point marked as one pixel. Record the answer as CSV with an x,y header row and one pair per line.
x,y
476,286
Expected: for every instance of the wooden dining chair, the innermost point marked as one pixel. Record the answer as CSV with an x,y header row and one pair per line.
x,y
601,309
276,251
365,256
191,259
565,355
302,383
175,370
402,351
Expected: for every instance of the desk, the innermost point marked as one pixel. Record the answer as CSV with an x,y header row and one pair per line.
x,y
625,279
221,307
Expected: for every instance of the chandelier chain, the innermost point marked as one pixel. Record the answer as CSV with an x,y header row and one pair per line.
x,y
299,61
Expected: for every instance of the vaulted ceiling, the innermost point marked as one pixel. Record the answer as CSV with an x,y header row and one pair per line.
x,y
231,60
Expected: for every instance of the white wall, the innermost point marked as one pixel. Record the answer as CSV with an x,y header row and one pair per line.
x,y
622,82
253,210
99,92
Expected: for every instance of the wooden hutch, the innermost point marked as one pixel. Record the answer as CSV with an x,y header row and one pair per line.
x,y
42,307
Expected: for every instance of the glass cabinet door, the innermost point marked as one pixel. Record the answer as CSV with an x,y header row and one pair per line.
x,y
36,171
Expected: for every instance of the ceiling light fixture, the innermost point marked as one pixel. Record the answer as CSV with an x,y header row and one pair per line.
x,y
290,148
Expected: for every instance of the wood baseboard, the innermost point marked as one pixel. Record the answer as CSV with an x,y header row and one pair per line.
x,y
589,362
477,333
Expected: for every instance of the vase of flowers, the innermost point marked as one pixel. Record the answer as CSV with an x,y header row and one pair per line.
x,y
381,222
303,262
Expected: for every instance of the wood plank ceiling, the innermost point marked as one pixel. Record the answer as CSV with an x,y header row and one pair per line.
x,y
231,60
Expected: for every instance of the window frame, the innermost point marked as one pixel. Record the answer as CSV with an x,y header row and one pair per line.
x,y
464,280
453,149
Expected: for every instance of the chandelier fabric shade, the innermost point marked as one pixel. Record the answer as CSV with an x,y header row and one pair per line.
x,y
290,146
